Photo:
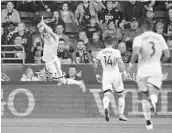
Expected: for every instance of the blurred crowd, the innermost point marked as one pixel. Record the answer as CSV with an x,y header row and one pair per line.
x,y
81,27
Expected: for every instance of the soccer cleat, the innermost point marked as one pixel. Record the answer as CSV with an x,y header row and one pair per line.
x,y
149,125
122,118
107,115
82,86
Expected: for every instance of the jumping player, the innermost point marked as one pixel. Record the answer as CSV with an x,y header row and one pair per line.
x,y
148,48
111,61
52,62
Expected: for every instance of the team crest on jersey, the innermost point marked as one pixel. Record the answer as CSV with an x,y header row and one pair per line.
x,y
4,77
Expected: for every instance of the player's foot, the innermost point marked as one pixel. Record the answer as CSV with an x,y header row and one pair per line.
x,y
149,125
122,118
82,86
106,114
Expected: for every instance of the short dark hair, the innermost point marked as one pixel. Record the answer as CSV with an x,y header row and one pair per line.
x,y
61,39
108,40
148,24
72,66
79,40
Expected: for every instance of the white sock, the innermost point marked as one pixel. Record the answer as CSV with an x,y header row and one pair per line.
x,y
146,109
121,105
72,81
154,98
106,102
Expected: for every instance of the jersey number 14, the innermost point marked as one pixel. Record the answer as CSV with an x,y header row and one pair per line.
x,y
108,61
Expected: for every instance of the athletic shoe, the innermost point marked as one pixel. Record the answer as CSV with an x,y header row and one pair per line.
x,y
107,115
122,118
149,125
82,86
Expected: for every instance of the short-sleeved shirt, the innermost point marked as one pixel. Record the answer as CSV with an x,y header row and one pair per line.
x,y
109,15
151,46
108,58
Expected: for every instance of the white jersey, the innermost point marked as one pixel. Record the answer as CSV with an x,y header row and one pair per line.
x,y
108,58
50,48
151,46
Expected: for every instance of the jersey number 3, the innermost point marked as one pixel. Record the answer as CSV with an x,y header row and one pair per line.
x,y
108,61
152,46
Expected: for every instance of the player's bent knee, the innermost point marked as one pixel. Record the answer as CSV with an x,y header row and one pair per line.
x,y
121,94
107,92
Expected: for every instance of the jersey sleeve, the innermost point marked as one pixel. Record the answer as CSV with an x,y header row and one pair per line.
x,y
98,57
136,42
164,44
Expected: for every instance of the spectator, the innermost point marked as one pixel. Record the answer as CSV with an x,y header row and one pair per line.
x,y
17,49
114,32
149,4
150,15
63,54
96,45
92,27
37,50
125,54
3,37
27,6
81,55
27,41
133,10
110,13
84,11
96,41
55,20
59,30
169,43
83,36
98,5
9,15
168,4
129,34
28,75
169,23
160,29
66,15
73,74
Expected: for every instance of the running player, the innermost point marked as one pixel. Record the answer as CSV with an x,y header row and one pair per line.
x,y
111,62
149,47
52,62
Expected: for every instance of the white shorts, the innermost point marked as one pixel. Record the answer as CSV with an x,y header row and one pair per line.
x,y
143,82
111,83
54,67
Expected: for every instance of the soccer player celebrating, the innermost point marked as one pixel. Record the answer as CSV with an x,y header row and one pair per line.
x,y
52,62
149,47
111,61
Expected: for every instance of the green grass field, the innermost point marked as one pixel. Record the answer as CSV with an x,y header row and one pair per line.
x,y
86,125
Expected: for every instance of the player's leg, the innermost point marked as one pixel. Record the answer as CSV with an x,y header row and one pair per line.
x,y
62,80
119,89
154,85
107,92
142,84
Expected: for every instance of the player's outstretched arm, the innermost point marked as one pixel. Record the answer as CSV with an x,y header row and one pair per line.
x,y
134,57
122,67
50,31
